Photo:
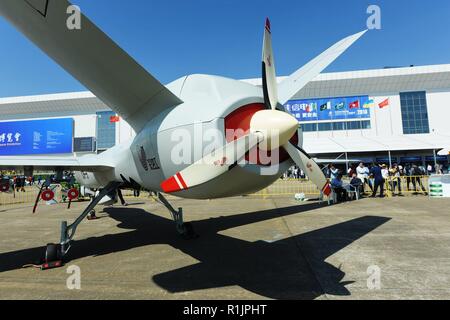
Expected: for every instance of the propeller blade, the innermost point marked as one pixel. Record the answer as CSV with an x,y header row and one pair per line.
x,y
212,165
269,77
309,167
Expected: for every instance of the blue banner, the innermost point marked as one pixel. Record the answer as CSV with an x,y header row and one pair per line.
x,y
36,137
344,108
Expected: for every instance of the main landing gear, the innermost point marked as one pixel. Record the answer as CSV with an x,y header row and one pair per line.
x,y
185,229
55,253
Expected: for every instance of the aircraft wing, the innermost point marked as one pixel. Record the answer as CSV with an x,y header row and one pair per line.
x,y
294,83
92,58
89,164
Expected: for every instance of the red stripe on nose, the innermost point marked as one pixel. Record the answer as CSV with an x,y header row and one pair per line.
x,y
170,185
183,183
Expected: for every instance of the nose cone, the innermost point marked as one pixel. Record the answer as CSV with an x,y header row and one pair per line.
x,y
278,127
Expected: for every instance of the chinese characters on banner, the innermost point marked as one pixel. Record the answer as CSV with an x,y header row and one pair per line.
x,y
345,108
36,137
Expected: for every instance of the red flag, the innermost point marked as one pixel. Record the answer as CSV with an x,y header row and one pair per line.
x,y
114,119
384,104
354,105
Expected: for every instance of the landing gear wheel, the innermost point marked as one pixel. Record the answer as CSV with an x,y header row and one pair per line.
x,y
53,257
52,253
92,215
188,232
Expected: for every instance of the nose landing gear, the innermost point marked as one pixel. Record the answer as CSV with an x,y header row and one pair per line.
x,y
185,229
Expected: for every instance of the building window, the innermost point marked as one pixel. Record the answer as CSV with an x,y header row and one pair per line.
x,y
327,126
414,112
336,126
106,130
309,127
339,126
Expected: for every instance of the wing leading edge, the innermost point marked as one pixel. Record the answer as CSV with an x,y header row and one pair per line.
x,y
89,164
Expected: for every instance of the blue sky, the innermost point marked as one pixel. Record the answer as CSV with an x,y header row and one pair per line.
x,y
224,37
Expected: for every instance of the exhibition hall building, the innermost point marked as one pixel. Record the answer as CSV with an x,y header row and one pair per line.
x,y
390,115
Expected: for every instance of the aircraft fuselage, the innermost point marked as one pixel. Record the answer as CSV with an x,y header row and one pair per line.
x,y
183,134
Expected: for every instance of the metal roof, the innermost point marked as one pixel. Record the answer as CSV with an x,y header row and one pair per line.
x,y
47,105
373,82
360,144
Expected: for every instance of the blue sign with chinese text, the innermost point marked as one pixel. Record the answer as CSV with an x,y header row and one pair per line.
x,y
36,137
344,108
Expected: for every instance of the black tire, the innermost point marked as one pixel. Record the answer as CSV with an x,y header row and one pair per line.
x,y
92,215
188,231
52,253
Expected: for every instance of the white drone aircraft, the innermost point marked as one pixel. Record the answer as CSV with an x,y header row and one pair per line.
x,y
156,112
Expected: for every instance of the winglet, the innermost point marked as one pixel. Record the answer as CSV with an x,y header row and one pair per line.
x,y
268,25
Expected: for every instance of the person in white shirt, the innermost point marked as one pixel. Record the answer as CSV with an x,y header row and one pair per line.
x,y
334,172
363,174
385,172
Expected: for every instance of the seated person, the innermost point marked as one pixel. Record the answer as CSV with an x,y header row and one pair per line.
x,y
338,188
356,184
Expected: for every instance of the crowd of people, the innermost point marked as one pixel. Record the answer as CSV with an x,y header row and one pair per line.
x,y
18,182
378,177
374,179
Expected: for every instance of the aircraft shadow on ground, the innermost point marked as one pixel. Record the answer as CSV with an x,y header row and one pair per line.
x,y
292,268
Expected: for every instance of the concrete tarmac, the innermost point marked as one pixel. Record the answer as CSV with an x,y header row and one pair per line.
x,y
249,248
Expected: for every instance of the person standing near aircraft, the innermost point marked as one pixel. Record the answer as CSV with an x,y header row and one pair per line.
x,y
363,174
122,200
379,181
417,181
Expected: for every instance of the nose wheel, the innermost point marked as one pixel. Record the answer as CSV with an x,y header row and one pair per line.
x,y
92,215
187,231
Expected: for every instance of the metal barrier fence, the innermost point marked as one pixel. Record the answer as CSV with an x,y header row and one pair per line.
x,y
408,185
283,187
286,187
26,196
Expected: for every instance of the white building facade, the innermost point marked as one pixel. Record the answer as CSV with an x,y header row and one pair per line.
x,y
402,115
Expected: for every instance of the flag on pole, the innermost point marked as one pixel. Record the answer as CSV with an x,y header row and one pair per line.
x,y
384,104
114,119
354,105
369,104
340,106
325,106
